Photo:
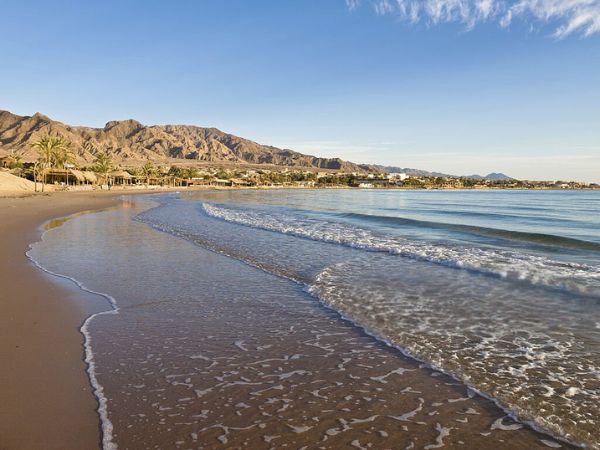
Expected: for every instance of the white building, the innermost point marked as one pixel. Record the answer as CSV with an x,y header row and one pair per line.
x,y
397,176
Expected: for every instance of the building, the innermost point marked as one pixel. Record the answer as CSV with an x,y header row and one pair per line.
x,y
121,177
397,176
371,182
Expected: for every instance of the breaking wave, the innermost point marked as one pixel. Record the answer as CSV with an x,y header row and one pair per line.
x,y
537,270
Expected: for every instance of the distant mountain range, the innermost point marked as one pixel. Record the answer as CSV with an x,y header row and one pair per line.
x,y
130,142
494,176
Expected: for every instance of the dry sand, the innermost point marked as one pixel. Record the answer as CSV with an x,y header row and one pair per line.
x,y
45,397
12,183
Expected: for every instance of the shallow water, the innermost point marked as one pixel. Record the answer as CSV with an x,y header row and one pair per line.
x,y
209,350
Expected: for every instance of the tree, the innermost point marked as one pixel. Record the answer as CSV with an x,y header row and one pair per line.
x,y
148,171
178,172
103,165
191,172
15,160
64,154
53,151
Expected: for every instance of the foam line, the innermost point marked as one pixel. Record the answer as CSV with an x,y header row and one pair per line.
x,y
576,278
98,390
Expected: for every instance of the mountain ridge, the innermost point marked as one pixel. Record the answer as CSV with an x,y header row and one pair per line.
x,y
130,141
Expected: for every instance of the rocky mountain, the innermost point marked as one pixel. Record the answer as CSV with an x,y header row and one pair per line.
x,y
130,142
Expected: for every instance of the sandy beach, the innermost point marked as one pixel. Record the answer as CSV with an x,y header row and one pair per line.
x,y
223,354
45,399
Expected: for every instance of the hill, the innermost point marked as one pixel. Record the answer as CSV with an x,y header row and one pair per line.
x,y
412,172
494,176
131,142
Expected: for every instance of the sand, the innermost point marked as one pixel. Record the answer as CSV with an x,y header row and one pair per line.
x,y
13,184
45,397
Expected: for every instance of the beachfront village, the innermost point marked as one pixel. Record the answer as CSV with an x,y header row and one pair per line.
x,y
57,168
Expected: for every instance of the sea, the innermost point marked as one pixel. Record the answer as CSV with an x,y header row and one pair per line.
x,y
340,318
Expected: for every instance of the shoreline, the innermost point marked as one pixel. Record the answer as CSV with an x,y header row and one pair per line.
x,y
56,414
43,373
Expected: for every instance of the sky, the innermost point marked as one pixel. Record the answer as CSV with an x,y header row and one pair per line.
x,y
456,86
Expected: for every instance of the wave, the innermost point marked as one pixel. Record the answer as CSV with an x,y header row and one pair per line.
x,y
514,357
534,238
573,277
361,308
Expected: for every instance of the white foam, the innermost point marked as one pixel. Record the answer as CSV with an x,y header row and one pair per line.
x,y
399,371
499,425
409,415
439,441
299,428
579,278
106,425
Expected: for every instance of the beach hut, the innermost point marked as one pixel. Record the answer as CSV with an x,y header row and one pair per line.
x,y
90,177
64,176
121,177
240,182
221,182
77,176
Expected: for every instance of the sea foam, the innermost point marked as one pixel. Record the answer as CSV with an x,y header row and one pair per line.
x,y
106,425
538,270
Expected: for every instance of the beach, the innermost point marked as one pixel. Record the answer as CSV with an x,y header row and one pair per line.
x,y
45,400
211,347
218,340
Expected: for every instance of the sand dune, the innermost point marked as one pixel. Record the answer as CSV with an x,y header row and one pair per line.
x,y
12,183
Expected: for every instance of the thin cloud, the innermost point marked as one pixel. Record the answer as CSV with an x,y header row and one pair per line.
x,y
566,16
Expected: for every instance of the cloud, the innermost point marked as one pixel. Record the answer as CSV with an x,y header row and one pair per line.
x,y
567,17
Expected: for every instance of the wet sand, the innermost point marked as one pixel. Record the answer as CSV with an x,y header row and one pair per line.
x,y
45,396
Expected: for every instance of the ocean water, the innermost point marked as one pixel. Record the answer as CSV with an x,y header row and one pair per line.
x,y
345,317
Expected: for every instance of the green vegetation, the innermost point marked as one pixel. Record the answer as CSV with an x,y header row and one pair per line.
x,y
54,152
15,161
148,171
103,165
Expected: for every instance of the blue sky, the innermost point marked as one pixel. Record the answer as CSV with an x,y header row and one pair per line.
x,y
458,86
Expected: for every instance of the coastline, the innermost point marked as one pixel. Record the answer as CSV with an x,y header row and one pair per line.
x,y
43,373
41,315
147,347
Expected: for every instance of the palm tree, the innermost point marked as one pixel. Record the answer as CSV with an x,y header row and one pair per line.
x,y
15,160
148,170
53,151
46,148
103,165
64,154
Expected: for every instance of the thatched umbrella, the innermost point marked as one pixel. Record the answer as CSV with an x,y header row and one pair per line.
x,y
90,177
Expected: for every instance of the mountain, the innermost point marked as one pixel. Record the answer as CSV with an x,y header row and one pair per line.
x,y
412,172
424,173
130,142
491,177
